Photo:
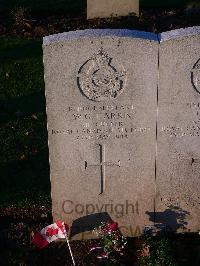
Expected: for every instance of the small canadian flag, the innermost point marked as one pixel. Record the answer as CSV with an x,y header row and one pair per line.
x,y
50,233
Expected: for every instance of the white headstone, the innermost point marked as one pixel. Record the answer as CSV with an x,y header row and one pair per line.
x,y
107,8
101,107
178,157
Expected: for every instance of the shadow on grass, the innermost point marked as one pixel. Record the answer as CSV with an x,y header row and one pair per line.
x,y
15,49
26,179
25,182
21,76
44,6
165,4
22,106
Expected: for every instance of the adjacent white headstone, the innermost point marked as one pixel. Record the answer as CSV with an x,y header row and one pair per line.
x,y
107,8
101,90
178,156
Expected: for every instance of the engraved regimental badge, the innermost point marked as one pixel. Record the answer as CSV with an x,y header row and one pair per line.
x,y
196,76
100,79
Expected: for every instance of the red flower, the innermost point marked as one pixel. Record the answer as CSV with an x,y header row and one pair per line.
x,y
112,226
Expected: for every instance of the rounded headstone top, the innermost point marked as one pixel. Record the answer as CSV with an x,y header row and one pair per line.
x,y
179,33
96,33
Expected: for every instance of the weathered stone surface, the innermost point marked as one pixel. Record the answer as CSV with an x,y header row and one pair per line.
x,y
178,149
101,90
107,8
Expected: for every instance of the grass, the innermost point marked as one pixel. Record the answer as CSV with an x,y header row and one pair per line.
x,y
44,6
23,135
166,3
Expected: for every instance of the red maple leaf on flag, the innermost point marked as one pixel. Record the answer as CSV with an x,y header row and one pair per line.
x,y
52,231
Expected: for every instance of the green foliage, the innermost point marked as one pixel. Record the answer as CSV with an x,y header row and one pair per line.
x,y
113,242
160,253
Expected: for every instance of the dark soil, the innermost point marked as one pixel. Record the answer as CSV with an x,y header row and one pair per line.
x,y
23,23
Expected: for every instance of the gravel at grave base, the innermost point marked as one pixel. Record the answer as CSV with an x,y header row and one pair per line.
x,y
152,20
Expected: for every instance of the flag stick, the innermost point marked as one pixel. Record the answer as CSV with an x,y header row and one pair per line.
x,y
70,250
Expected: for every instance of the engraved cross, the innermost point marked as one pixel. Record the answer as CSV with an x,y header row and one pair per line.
x,y
103,164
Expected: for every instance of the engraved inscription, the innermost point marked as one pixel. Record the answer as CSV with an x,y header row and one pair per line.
x,y
193,127
98,79
195,75
101,122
